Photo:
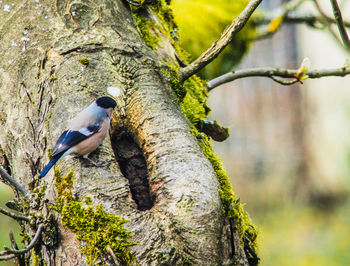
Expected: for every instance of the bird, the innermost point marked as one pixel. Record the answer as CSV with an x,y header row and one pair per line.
x,y
85,132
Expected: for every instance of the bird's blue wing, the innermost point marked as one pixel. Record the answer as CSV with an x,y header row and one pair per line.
x,y
71,138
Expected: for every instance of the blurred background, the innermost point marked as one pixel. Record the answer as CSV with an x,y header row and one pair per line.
x,y
6,223
288,154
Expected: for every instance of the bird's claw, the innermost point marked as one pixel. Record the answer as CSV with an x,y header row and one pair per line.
x,y
97,164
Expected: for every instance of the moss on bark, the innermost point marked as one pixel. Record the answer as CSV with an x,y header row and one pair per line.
x,y
192,96
97,231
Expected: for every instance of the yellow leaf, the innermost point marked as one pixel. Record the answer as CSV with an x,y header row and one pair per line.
x,y
275,24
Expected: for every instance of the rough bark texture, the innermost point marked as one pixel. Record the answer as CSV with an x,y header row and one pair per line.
x,y
163,184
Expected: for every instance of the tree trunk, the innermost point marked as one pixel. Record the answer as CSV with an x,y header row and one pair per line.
x,y
56,58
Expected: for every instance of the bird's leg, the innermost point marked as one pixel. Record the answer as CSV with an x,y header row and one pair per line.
x,y
97,164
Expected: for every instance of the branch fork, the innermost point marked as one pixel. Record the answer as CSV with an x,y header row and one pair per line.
x,y
216,48
9,253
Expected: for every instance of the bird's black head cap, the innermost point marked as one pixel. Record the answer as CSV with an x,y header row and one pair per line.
x,y
106,102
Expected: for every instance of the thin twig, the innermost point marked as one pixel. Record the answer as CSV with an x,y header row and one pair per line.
x,y
7,257
216,48
309,19
335,36
111,252
322,12
14,215
276,22
13,182
13,241
18,259
285,17
26,249
330,19
339,18
290,17
276,72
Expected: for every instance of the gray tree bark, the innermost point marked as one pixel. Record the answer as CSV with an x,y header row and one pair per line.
x,y
163,184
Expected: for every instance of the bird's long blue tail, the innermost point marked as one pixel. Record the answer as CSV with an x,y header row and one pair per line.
x,y
52,162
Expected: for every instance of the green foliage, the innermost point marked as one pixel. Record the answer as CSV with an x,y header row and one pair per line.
x,y
96,229
201,22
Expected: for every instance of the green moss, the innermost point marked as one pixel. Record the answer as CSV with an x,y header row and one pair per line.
x,y
3,117
153,31
232,207
35,259
88,200
25,238
40,192
231,204
84,61
146,27
192,96
95,229
194,106
165,15
185,203
171,72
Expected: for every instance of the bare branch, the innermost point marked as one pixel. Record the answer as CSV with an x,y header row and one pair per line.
x,y
7,257
284,81
26,249
216,48
339,18
13,215
309,19
13,182
276,72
